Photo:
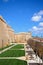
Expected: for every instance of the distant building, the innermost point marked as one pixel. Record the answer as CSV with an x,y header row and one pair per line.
x,y
38,39
23,37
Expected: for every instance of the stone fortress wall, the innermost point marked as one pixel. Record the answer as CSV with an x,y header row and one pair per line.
x,y
22,37
7,34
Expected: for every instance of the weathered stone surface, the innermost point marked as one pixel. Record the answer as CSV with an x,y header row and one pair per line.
x,y
8,36
3,33
22,37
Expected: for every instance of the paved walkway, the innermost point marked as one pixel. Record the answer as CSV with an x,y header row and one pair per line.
x,y
21,43
21,58
31,56
17,49
7,48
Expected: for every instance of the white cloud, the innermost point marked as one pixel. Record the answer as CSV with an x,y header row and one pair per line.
x,y
41,24
37,16
5,0
40,13
36,30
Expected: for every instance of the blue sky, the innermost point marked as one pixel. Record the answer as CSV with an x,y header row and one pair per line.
x,y
23,15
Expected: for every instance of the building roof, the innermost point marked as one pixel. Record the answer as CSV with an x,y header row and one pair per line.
x,y
38,39
2,19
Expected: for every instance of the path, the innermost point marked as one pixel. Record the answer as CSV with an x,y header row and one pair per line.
x,y
7,48
21,58
31,56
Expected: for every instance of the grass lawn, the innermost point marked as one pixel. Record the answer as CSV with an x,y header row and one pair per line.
x,y
19,46
12,62
5,47
13,53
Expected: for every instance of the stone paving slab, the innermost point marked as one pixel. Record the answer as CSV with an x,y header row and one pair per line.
x,y
31,57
